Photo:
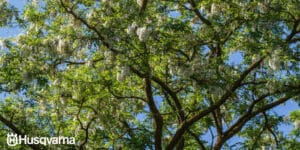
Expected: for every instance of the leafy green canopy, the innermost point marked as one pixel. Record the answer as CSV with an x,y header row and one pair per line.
x,y
152,74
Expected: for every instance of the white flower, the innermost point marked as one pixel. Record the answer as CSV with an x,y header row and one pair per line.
x,y
61,46
77,130
119,77
56,82
89,63
63,101
90,14
140,2
274,62
255,58
142,33
100,127
43,107
131,29
2,43
172,69
297,124
161,19
125,70
261,7
75,96
35,2
108,56
213,9
90,115
177,7
2,2
123,73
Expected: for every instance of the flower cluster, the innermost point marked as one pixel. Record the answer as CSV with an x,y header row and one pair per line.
x,y
122,73
274,62
142,33
132,28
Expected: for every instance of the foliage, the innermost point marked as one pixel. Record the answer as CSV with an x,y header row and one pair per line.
x,y
152,74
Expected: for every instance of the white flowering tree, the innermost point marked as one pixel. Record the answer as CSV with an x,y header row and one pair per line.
x,y
127,74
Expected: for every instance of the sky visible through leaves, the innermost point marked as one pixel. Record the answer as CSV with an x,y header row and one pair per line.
x,y
234,58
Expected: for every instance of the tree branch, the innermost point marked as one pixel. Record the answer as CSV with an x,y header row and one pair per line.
x,y
196,137
18,132
185,125
167,89
270,130
143,7
124,97
196,11
93,28
173,95
246,117
294,31
156,114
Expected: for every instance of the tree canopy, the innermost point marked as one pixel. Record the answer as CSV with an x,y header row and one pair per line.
x,y
151,74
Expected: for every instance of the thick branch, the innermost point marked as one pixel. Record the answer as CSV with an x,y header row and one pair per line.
x,y
294,40
156,114
245,118
231,130
270,130
86,130
218,121
17,131
181,130
165,88
196,11
196,137
294,31
143,7
173,95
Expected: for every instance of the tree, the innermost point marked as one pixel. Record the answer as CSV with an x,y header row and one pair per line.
x,y
152,74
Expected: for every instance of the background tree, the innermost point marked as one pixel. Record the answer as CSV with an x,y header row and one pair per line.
x,y
151,74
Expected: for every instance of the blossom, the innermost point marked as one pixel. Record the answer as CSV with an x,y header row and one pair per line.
x,y
108,56
140,2
106,24
89,63
172,69
142,33
132,28
213,9
274,62
43,106
121,75
3,2
63,101
297,124
3,43
61,45
35,2
91,15
161,19
56,82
